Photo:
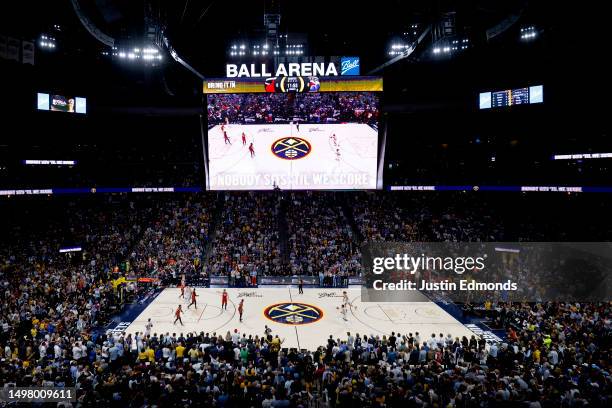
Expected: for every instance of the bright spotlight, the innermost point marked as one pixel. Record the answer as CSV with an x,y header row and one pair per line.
x,y
46,41
528,33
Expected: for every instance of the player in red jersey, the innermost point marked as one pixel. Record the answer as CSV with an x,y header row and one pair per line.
x,y
182,287
243,139
241,308
224,300
193,299
252,149
178,315
226,138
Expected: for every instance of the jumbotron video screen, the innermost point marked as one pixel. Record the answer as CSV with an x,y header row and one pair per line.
x,y
293,133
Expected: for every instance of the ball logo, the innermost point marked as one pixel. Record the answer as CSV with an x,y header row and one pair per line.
x,y
293,313
349,66
291,148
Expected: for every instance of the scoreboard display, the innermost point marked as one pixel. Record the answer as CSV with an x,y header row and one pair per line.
x,y
511,97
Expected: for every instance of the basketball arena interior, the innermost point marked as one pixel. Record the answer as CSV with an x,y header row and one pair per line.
x,y
322,204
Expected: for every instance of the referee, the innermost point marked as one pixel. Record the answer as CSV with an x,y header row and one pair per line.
x,y
301,287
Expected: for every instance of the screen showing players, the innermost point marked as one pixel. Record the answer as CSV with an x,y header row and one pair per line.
x,y
61,103
292,140
511,97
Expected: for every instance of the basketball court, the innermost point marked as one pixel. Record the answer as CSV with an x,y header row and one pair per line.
x,y
303,321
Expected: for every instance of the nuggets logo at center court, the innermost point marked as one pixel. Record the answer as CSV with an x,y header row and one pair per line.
x,y
293,313
291,148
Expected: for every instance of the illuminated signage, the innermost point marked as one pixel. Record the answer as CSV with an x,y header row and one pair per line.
x,y
345,66
70,249
297,84
349,66
292,69
49,162
61,103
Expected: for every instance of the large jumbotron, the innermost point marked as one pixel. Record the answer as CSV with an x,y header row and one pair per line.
x,y
323,135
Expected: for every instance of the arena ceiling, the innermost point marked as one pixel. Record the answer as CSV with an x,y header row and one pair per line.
x,y
202,29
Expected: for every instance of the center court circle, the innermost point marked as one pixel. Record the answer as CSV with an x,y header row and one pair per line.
x,y
293,313
291,148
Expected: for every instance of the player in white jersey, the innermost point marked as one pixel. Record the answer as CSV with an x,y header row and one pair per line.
x,y
345,298
346,303
148,328
343,311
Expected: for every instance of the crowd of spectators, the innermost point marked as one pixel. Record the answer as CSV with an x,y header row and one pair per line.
x,y
329,107
320,239
52,301
247,239
512,219
480,217
554,353
49,300
558,357
405,218
172,245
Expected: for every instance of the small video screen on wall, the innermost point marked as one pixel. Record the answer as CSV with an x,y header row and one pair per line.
x,y
512,97
61,103
303,139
